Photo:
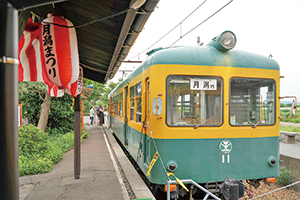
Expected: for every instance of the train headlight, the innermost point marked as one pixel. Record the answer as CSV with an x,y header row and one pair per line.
x,y
272,161
172,166
224,42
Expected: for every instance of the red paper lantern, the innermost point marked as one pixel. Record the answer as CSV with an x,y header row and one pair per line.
x,y
53,91
59,51
76,87
29,53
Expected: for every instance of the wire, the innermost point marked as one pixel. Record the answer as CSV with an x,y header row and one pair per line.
x,y
201,23
170,30
160,158
102,19
85,24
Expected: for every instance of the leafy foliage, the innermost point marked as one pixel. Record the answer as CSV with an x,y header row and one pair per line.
x,y
32,140
100,94
286,116
35,151
38,152
290,128
284,177
61,117
30,96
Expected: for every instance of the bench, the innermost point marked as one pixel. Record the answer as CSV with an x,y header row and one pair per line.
x,y
289,137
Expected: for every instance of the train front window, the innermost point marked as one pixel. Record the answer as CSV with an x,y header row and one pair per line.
x,y
194,100
252,102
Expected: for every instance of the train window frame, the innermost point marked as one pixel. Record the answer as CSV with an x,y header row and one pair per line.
x,y
138,101
232,118
202,123
132,103
120,104
117,105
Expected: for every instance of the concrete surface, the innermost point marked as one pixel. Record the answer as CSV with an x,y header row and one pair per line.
x,y
290,155
291,150
289,124
98,178
292,164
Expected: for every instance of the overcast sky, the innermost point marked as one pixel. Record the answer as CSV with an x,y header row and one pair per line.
x,y
261,26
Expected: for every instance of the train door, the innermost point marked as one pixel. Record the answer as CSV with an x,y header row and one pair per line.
x,y
126,129
147,140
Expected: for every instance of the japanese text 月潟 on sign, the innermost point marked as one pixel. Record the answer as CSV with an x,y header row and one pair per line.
x,y
203,84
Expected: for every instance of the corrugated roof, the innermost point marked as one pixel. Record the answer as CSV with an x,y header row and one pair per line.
x,y
106,30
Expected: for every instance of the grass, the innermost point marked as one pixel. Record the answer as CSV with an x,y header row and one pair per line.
x,y
286,116
290,128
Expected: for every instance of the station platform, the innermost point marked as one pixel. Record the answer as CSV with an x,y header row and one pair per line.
x,y
106,174
291,150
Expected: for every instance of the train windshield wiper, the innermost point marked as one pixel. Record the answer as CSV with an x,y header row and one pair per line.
x,y
259,121
201,123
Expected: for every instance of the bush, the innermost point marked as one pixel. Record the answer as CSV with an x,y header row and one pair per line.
x,y
32,140
84,135
38,152
284,177
287,116
35,151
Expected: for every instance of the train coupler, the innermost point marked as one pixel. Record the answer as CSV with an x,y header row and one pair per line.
x,y
232,189
212,186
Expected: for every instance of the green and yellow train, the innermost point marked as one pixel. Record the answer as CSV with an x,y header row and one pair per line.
x,y
204,113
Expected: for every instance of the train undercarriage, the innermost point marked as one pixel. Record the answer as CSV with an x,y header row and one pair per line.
x,y
229,189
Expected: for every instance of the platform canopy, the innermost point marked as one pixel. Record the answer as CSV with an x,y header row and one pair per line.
x,y
106,29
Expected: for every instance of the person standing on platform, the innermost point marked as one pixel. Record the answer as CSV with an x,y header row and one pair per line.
x,y
98,114
101,115
92,114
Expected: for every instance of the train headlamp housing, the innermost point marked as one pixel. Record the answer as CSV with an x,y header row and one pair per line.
x,y
223,42
272,161
172,165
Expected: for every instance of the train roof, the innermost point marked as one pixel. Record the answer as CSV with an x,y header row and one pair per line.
x,y
204,56
209,56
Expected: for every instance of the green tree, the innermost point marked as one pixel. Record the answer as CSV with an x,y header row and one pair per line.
x,y
32,94
42,110
57,115
100,94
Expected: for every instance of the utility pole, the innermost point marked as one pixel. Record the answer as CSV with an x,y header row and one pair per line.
x,y
124,73
9,151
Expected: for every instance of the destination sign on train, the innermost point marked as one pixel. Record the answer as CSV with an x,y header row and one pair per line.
x,y
203,84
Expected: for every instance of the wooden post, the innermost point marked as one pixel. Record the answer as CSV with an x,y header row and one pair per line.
x,y
82,121
77,137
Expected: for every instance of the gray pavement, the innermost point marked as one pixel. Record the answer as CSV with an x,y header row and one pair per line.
x,y
99,179
289,124
291,150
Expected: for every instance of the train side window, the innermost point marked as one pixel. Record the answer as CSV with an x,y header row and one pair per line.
x,y
115,106
131,95
194,100
138,94
252,102
120,99
121,109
